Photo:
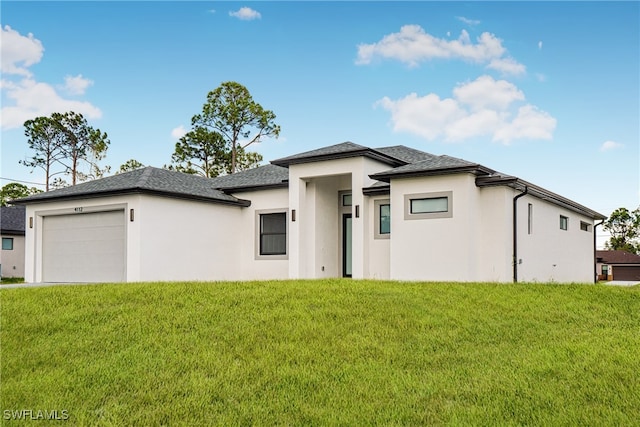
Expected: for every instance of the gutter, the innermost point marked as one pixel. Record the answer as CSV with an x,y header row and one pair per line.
x,y
595,257
515,233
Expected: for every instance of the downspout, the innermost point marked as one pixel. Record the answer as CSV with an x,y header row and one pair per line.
x,y
515,233
595,257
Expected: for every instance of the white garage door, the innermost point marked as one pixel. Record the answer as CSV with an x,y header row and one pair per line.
x,y
87,247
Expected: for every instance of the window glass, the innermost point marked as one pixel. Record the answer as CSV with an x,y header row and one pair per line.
x,y
564,222
346,200
584,226
385,219
273,234
7,244
438,204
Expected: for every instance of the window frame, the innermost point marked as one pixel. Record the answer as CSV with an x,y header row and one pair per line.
x,y
377,233
585,226
10,240
565,223
530,218
258,234
408,198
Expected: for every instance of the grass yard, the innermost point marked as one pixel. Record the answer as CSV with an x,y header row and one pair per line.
x,y
335,352
11,280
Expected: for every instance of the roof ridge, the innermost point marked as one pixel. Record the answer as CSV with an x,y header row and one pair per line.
x,y
146,174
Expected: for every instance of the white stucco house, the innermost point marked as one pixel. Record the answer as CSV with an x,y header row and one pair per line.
x,y
343,210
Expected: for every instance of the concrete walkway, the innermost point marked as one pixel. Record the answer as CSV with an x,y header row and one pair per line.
x,y
621,283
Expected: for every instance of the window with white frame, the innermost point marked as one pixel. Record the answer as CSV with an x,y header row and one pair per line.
x,y
428,205
382,219
271,234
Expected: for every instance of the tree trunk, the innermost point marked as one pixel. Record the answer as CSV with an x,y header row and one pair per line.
x,y
47,171
74,170
233,158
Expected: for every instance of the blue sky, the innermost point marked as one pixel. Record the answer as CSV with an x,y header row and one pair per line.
x,y
546,91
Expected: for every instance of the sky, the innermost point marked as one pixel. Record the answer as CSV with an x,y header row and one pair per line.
x,y
546,91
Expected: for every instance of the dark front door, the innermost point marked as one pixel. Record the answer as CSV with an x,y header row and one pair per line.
x,y
347,245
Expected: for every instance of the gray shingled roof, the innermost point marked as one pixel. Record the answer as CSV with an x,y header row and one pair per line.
x,y
146,180
12,219
434,164
260,177
406,154
338,151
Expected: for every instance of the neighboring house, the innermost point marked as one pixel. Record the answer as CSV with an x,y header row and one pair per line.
x,y
618,265
12,228
343,210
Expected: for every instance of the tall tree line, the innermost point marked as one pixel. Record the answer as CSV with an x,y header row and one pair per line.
x,y
64,144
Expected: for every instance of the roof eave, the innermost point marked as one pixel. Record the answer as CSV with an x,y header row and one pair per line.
x,y
367,152
13,232
246,188
473,169
100,194
377,191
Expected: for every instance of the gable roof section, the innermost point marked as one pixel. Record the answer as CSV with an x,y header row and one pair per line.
x,y
12,220
260,178
339,151
149,180
536,191
617,257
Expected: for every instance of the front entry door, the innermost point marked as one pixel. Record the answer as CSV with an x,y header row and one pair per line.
x,y
347,245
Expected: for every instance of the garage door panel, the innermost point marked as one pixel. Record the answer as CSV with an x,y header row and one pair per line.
x,y
84,247
626,272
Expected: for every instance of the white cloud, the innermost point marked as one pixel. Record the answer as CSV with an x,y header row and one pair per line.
x,y
178,132
468,21
32,99
507,66
413,45
530,123
19,52
76,85
541,77
610,145
425,116
540,45
483,107
24,97
485,92
246,14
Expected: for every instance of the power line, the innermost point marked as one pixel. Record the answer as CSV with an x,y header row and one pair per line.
x,y
20,181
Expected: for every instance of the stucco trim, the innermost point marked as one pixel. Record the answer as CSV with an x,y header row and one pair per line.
x,y
432,215
376,221
256,233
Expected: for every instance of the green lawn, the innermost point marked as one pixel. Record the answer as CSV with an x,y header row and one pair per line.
x,y
336,352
